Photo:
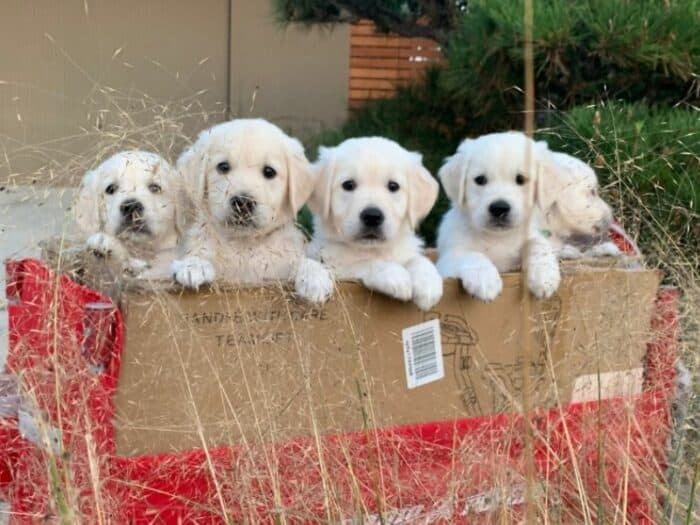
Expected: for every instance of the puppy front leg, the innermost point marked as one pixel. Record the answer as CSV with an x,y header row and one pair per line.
x,y
478,274
195,269
543,276
389,278
427,282
313,281
108,247
105,246
606,249
569,251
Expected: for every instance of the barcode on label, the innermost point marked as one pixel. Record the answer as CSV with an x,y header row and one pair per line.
x,y
422,352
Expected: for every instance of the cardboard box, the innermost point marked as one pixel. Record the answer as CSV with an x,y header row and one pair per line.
x,y
255,365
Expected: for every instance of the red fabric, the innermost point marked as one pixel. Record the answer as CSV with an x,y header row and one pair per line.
x,y
614,449
622,243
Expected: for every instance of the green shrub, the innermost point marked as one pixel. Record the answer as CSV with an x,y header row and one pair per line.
x,y
630,50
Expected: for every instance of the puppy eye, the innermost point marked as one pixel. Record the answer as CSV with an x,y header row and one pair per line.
x,y
393,186
520,179
349,185
594,192
268,172
223,167
154,188
481,180
109,190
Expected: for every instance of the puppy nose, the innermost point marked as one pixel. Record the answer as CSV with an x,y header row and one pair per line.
x,y
243,204
131,207
499,209
372,217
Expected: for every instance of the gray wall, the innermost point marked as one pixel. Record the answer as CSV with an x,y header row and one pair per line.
x,y
301,74
77,84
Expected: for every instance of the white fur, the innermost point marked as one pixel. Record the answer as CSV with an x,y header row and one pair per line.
x,y
265,245
392,263
137,176
471,246
577,218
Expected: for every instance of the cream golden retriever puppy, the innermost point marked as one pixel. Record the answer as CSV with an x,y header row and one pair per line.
x,y
495,183
574,214
370,196
247,180
129,206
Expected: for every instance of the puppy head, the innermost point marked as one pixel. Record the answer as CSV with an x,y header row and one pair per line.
x,y
133,195
492,179
247,175
568,196
371,189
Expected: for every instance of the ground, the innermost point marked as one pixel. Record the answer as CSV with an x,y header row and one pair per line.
x,y
27,215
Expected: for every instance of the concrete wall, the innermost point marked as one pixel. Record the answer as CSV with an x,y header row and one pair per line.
x,y
81,79
295,76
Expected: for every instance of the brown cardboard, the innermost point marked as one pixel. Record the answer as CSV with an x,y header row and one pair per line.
x,y
256,365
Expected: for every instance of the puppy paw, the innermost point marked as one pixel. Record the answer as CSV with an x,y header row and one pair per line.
x,y
483,282
570,252
392,280
101,245
606,249
313,282
193,272
136,267
427,290
543,279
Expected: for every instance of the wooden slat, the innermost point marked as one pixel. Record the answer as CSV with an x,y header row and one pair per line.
x,y
363,29
400,52
384,73
386,63
371,83
378,41
370,93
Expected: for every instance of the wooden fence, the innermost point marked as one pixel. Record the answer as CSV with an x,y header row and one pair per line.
x,y
380,62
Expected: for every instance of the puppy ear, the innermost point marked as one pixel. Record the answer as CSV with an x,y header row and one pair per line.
x,y
183,211
87,208
320,201
301,177
550,182
422,193
192,165
453,175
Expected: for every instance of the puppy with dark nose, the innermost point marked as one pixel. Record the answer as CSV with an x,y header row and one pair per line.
x,y
574,213
494,183
247,180
370,196
130,207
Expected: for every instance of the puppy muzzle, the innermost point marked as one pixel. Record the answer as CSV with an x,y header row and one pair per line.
x,y
499,214
133,218
371,219
588,239
242,213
